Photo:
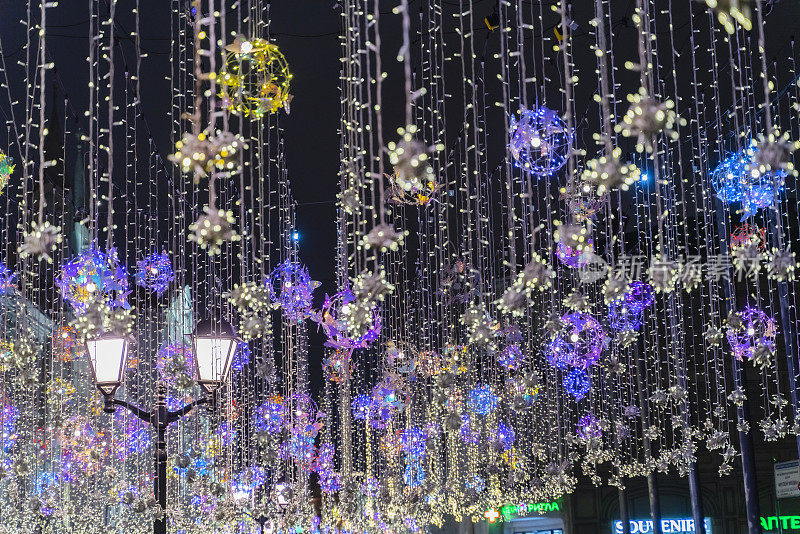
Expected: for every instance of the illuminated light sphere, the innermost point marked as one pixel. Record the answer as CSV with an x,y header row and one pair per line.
x,y
82,444
578,344
589,427
241,357
255,79
401,356
9,435
577,383
428,363
155,272
225,433
504,436
511,357
7,283
338,365
66,345
388,398
412,441
348,323
739,178
94,275
640,295
300,448
626,312
755,328
136,438
482,400
575,256
748,234
539,141
270,416
6,168
414,474
361,406
291,287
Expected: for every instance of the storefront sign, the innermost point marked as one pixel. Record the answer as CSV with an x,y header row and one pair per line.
x,y
787,479
785,522
509,511
668,526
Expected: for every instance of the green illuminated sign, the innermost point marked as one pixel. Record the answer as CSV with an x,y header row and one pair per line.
x,y
521,509
783,521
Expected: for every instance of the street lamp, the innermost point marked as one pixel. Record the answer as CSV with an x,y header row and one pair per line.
x,y
214,344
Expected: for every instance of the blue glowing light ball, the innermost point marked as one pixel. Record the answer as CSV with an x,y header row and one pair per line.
x,y
466,433
539,141
242,356
482,400
626,312
579,344
7,283
94,275
361,405
511,357
414,474
505,436
290,285
577,383
155,272
412,441
755,329
738,178
589,427
269,417
9,435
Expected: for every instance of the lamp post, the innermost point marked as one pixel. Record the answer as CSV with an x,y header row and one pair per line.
x,y
213,342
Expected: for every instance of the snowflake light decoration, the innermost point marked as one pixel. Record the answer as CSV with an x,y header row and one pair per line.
x,y
577,383
40,241
346,322
174,365
414,180
94,276
203,154
9,436
213,228
291,287
482,400
646,118
607,173
748,330
256,78
155,272
579,344
539,141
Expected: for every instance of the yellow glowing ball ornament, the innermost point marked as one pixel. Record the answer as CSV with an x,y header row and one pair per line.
x,y
255,80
